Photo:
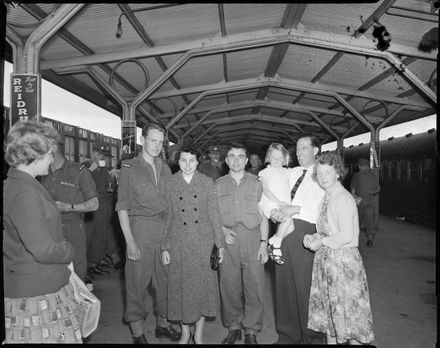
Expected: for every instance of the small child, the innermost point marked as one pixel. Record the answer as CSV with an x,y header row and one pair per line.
x,y
275,181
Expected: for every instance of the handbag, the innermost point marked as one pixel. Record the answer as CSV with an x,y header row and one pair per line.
x,y
88,307
214,260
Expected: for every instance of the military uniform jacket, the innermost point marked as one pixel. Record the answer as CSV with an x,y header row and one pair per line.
x,y
138,192
35,257
71,183
239,204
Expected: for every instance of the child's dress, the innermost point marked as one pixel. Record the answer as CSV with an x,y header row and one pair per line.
x,y
278,182
339,302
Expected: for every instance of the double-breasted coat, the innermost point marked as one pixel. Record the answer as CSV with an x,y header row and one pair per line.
x,y
191,231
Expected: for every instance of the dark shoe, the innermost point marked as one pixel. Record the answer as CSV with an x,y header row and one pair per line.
x,y
369,243
250,339
140,339
168,332
233,335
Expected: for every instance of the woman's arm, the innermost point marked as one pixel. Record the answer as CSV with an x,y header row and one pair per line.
x,y
29,219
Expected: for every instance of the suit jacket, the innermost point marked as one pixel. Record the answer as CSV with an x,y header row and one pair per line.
x,y
35,254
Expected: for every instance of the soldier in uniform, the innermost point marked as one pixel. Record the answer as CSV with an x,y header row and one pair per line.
x,y
364,188
242,268
72,187
102,245
142,209
212,168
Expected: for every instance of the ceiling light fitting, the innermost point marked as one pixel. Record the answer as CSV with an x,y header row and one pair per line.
x,y
119,27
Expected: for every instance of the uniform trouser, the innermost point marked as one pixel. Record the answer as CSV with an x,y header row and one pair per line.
x,y
366,216
139,274
75,233
98,225
292,288
242,274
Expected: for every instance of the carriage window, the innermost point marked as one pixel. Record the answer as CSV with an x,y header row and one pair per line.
x,y
398,169
404,170
82,150
114,154
69,148
427,170
382,174
393,170
413,170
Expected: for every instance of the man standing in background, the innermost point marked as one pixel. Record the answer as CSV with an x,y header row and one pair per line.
x,y
72,187
364,188
102,247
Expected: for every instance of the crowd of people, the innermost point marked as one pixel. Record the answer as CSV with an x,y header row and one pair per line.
x,y
172,217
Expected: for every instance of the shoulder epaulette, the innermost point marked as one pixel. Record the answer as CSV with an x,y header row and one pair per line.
x,y
126,165
81,166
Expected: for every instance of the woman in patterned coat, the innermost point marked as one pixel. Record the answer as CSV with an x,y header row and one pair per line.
x,y
192,229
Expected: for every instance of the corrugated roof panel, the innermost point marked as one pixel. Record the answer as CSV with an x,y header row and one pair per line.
x,y
247,64
353,71
252,16
303,63
186,22
336,18
200,71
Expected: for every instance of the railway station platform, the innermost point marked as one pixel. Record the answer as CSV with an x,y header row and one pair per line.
x,y
401,272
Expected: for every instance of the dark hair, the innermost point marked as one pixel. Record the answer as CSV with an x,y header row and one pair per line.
x,y
152,125
237,145
188,149
333,159
313,140
282,149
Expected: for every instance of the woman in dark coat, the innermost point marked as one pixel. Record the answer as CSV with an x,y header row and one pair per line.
x,y
190,233
38,298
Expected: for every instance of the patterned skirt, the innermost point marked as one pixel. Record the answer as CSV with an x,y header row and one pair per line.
x,y
339,302
42,319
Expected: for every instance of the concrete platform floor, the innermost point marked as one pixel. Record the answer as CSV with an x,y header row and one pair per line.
x,y
402,281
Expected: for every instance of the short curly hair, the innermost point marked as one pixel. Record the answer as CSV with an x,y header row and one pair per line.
x,y
188,149
28,141
333,159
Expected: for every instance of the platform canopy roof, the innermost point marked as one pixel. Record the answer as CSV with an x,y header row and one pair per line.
x,y
255,72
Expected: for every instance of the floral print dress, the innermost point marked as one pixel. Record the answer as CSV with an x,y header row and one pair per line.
x,y
339,302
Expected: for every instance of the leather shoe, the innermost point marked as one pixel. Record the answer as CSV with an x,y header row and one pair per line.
x,y
233,335
169,332
250,339
369,243
140,339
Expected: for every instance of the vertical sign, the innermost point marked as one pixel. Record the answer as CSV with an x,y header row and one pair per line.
x,y
128,142
25,97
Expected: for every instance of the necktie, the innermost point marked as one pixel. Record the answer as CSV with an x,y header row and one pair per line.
x,y
298,182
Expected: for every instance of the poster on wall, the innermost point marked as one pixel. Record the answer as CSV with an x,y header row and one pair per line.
x,y
25,101
128,143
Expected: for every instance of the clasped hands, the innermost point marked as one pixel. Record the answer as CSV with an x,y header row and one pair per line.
x,y
312,241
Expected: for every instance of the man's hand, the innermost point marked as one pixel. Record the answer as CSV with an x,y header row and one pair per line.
x,y
284,212
165,257
308,238
315,244
229,235
262,255
133,252
62,206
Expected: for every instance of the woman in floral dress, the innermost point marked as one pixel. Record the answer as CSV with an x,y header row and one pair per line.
x,y
339,303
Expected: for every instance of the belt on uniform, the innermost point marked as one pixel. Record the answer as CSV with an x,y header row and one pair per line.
x,y
71,216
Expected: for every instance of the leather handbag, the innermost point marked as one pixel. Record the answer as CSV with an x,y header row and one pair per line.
x,y
88,307
214,258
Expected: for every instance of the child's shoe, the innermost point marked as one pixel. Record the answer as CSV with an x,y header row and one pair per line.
x,y
275,254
